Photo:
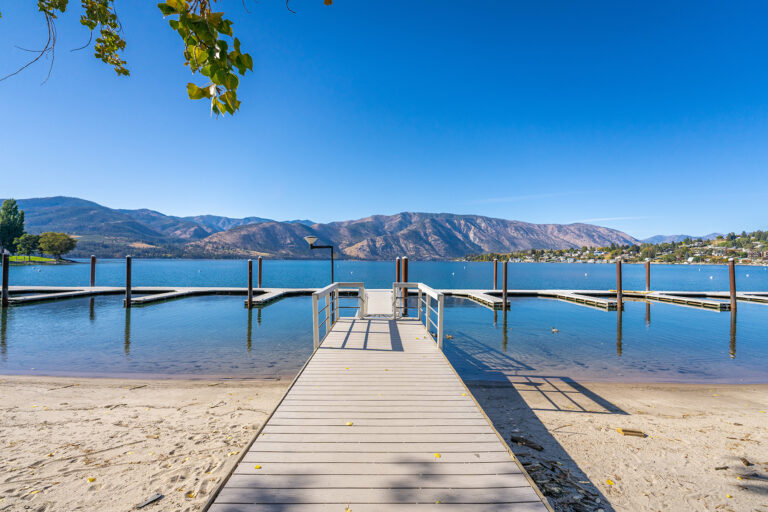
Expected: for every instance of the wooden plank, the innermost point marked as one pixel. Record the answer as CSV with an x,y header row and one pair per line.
x,y
342,428
362,437
375,481
379,507
423,458
368,468
310,496
265,445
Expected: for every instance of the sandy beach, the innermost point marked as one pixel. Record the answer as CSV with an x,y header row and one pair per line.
x,y
706,447
109,444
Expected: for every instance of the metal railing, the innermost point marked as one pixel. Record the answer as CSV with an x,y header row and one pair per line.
x,y
424,297
331,309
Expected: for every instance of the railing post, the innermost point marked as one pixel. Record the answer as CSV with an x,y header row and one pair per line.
x,y
250,284
427,302
405,290
362,302
495,274
504,285
128,281
647,275
732,279
440,303
315,322
258,282
327,313
418,303
6,264
93,270
619,294
394,300
336,305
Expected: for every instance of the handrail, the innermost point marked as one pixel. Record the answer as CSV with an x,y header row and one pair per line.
x,y
330,294
425,294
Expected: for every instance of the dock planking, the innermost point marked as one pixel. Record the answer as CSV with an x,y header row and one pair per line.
x,y
378,420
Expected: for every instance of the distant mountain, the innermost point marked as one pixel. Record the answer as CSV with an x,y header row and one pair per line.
x,y
108,232
416,235
665,239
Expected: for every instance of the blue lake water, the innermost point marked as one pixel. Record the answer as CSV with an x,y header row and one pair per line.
x,y
380,274
216,336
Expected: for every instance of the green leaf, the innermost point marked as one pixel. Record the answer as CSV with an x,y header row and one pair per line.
x,y
195,92
166,9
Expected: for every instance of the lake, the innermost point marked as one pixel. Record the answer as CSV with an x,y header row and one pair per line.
x,y
380,274
216,336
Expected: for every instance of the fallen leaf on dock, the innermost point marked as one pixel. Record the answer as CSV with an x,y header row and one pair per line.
x,y
610,482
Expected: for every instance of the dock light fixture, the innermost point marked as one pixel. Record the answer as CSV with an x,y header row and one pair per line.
x,y
311,241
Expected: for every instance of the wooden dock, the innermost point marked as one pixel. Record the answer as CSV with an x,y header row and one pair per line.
x,y
378,420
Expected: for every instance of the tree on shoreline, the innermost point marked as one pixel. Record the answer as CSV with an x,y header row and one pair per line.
x,y
201,30
56,244
11,225
27,245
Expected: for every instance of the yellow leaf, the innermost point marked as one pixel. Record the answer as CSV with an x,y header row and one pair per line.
x,y
34,492
437,502
91,479
437,455
190,495
349,423
610,482
463,394
728,496
50,455
257,466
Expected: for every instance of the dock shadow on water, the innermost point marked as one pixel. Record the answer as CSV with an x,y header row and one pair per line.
x,y
510,393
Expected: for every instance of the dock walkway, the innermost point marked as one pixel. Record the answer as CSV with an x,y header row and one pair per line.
x,y
378,420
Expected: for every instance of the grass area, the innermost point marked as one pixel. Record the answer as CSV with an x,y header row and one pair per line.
x,y
31,259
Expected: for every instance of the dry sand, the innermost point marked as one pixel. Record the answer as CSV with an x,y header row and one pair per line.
x,y
691,430
108,444
180,438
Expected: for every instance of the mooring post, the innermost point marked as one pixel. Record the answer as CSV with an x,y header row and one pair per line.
x,y
258,282
405,280
250,285
93,270
647,275
732,278
127,281
619,297
495,274
397,269
504,285
6,263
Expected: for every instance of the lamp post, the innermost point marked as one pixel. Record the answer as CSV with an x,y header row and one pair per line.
x,y
311,241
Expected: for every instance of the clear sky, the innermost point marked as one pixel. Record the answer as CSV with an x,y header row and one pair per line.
x,y
650,117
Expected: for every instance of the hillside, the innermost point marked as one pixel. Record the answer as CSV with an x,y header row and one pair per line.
x,y
665,239
109,232
416,235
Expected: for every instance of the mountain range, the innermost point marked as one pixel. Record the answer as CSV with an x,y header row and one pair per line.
x,y
108,232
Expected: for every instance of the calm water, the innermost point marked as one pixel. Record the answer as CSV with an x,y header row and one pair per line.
x,y
380,274
217,336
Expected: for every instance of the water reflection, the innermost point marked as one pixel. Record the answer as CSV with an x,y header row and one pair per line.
x,y
127,332
91,309
647,313
732,348
3,333
250,328
619,330
504,329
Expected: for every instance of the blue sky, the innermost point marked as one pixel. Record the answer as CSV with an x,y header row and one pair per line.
x,y
650,118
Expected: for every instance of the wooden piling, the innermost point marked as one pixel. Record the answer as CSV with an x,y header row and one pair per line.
x,y
404,261
250,284
619,294
93,270
397,269
128,281
258,282
732,279
504,285
495,274
6,264
647,275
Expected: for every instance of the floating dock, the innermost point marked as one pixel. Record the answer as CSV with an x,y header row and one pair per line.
x,y
378,420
